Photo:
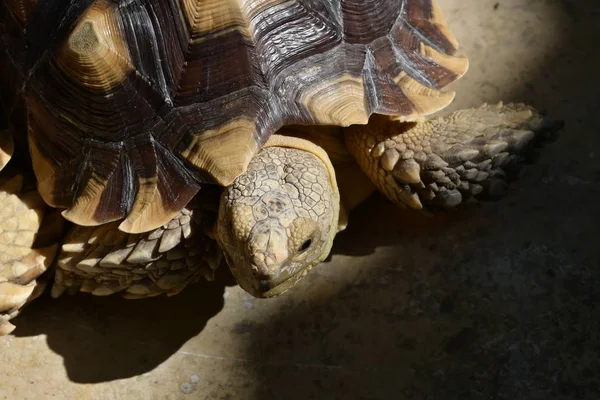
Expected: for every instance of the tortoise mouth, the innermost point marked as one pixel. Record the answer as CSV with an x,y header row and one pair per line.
x,y
274,286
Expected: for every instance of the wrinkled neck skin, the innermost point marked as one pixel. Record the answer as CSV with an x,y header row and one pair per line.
x,y
278,219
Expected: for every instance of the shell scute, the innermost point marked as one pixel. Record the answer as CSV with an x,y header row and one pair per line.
x,y
132,106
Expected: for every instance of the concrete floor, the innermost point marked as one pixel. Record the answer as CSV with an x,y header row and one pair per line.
x,y
495,302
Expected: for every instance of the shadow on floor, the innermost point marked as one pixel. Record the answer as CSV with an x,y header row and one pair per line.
x,y
108,338
501,303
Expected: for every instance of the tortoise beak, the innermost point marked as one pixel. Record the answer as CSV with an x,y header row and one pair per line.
x,y
278,285
278,280
270,271
264,275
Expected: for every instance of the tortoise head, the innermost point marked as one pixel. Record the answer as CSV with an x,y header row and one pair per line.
x,y
278,219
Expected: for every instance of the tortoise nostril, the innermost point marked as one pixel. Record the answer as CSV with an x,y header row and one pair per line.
x,y
264,285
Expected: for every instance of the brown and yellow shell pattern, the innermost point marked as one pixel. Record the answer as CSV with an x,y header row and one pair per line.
x,y
129,107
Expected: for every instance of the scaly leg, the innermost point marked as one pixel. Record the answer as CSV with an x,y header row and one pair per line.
x,y
445,161
102,260
21,261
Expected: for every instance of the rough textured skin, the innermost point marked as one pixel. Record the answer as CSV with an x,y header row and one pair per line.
x,y
278,220
445,161
354,186
21,263
104,260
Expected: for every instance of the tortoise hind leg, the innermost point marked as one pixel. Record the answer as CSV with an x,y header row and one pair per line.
x,y
21,264
446,160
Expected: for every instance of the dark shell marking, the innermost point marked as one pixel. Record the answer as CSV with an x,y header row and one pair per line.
x,y
132,105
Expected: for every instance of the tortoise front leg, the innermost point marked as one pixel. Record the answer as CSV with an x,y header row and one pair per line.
x,y
446,160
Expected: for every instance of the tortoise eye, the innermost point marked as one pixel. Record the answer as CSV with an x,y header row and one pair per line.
x,y
305,246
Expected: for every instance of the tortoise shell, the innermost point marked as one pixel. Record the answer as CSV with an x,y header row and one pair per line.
x,y
129,107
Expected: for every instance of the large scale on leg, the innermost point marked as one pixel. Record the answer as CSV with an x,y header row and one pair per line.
x,y
140,117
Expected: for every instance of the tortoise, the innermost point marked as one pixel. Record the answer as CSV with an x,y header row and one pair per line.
x,y
148,142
